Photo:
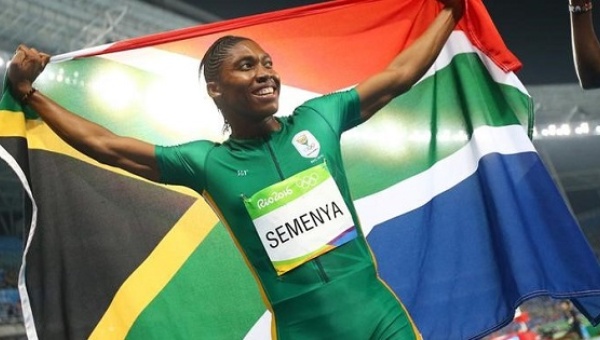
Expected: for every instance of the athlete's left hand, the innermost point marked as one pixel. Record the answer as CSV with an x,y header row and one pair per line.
x,y
25,66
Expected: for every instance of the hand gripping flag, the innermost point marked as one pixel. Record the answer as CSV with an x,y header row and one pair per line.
x,y
462,216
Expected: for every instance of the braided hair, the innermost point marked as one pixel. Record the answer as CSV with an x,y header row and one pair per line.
x,y
216,53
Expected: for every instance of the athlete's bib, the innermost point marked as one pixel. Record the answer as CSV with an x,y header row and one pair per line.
x,y
301,218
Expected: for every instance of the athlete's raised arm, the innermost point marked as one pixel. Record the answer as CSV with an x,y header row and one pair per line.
x,y
411,64
586,48
89,138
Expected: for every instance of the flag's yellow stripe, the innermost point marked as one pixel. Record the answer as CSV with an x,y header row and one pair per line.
x,y
156,272
12,124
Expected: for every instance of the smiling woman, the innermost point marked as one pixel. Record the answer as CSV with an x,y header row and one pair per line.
x,y
241,80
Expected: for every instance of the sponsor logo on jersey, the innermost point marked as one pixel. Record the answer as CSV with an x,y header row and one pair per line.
x,y
306,144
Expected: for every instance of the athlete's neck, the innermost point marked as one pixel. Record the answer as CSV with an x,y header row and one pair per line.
x,y
255,130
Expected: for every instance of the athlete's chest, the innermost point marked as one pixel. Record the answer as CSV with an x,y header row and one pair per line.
x,y
245,169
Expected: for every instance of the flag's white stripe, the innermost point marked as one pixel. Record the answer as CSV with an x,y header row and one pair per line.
x,y
261,329
86,51
157,61
416,191
23,294
459,43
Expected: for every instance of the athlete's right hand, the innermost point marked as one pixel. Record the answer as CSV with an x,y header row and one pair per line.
x,y
25,66
457,6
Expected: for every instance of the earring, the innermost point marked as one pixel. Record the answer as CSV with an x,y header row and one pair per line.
x,y
226,128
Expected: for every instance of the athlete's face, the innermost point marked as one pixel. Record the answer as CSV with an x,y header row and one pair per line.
x,y
248,86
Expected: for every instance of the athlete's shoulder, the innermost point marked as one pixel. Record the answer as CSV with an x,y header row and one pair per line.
x,y
191,145
332,98
188,151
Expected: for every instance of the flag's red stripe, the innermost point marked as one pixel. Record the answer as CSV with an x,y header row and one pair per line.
x,y
342,42
483,34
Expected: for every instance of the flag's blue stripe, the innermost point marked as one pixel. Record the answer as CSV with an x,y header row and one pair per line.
x,y
464,261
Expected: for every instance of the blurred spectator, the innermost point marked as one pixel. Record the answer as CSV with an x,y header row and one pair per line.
x,y
586,48
572,317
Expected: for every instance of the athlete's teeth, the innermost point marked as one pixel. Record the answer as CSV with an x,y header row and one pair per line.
x,y
266,90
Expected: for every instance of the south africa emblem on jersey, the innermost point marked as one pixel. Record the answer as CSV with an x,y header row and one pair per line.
x,y
306,144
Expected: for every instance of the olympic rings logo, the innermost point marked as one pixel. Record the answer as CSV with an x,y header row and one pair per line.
x,y
307,181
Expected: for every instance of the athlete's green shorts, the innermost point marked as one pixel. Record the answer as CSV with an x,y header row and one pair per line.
x,y
340,311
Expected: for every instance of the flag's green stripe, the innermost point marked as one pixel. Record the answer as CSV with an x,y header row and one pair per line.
x,y
9,104
439,101
221,297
